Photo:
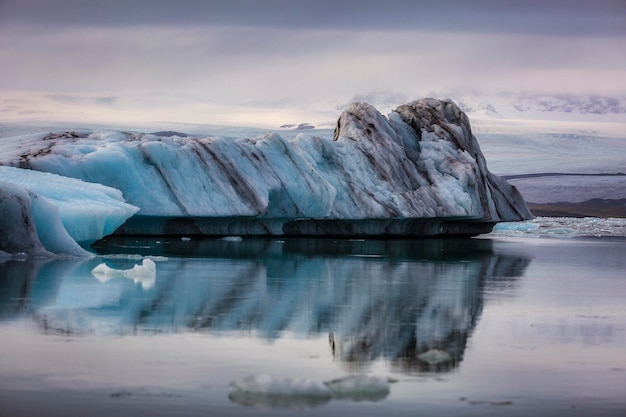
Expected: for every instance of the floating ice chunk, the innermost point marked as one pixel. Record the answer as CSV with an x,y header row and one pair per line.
x,y
359,388
267,401
266,392
280,385
435,356
145,274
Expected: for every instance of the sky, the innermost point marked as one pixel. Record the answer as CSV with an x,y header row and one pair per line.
x,y
268,62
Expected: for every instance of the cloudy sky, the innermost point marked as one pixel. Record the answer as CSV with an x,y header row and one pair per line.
x,y
276,61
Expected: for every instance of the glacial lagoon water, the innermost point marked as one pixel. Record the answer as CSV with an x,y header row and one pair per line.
x,y
490,326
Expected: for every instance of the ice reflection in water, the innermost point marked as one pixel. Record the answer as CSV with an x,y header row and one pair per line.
x,y
540,337
375,299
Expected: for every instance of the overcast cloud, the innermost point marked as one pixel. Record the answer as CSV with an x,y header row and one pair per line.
x,y
184,59
574,17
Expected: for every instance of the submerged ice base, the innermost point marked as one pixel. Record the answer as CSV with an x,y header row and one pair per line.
x,y
237,226
417,172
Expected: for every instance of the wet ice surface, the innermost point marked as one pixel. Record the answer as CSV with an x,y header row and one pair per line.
x,y
505,327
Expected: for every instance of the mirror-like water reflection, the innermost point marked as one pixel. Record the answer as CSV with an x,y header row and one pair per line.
x,y
373,299
459,327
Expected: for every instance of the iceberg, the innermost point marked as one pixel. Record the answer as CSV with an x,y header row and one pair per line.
x,y
418,171
44,214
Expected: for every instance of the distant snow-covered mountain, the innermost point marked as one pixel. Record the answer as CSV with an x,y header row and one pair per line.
x,y
481,110
567,103
526,106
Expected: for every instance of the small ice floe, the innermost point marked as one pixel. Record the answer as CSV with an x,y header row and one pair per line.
x,y
435,357
265,391
280,385
185,239
145,274
232,239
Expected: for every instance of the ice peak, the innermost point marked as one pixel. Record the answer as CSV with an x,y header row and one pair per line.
x,y
429,113
359,120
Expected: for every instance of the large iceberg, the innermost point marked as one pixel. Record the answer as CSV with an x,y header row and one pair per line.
x,y
417,172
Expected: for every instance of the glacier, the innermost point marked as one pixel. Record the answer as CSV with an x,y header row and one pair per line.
x,y
416,172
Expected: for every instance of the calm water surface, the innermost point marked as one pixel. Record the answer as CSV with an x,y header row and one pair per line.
x,y
529,327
